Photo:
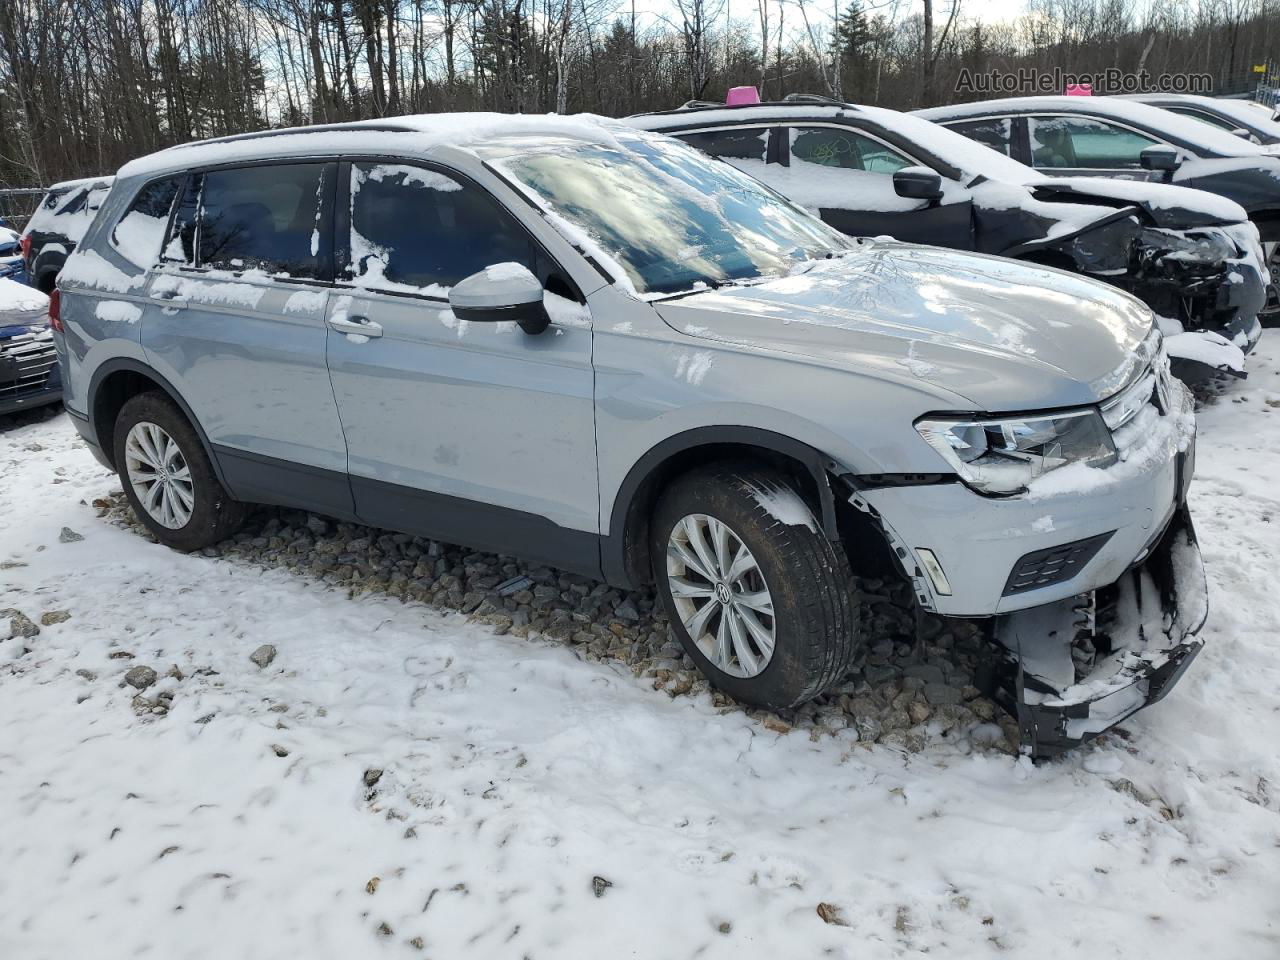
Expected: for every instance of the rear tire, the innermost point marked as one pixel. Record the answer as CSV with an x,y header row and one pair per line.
x,y
167,476
772,556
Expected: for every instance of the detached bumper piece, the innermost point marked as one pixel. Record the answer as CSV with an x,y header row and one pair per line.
x,y
1070,670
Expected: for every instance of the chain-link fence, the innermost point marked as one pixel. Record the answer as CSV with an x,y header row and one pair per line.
x,y
17,204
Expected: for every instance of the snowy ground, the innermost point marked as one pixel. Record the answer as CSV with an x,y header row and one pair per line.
x,y
515,774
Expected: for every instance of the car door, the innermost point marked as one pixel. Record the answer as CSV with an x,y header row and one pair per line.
x,y
475,433
846,175
235,318
1088,147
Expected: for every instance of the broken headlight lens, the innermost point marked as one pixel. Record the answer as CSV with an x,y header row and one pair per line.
x,y
1001,456
1192,246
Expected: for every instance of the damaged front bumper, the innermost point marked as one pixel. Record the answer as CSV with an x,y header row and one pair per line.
x,y
1072,669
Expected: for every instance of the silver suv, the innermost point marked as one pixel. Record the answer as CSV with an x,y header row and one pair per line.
x,y
589,345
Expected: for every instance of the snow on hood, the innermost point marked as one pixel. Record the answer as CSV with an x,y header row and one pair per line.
x,y
21,305
1002,334
1169,205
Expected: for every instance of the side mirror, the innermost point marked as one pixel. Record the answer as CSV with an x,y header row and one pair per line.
x,y
1242,133
917,183
1159,158
505,291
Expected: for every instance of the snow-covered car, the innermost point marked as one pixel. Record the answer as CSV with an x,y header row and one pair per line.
x,y
12,265
1114,137
1191,256
570,340
29,374
1243,118
57,226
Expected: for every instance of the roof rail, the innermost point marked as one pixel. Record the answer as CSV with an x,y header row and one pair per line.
x,y
288,131
813,98
696,104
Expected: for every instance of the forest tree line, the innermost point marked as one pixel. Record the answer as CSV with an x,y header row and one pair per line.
x,y
86,85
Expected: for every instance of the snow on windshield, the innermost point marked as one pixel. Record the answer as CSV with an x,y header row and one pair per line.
x,y
669,216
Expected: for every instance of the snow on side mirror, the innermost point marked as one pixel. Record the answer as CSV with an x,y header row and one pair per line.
x,y
1159,158
504,291
917,183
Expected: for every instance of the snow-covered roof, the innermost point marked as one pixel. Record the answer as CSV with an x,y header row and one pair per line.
x,y
1245,112
82,182
417,135
1176,127
967,155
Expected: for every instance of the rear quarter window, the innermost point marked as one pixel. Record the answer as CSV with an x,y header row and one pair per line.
x,y
140,231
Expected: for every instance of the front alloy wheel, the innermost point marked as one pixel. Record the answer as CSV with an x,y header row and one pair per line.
x,y
758,595
159,475
721,595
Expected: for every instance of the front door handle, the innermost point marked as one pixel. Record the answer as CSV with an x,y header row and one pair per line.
x,y
360,326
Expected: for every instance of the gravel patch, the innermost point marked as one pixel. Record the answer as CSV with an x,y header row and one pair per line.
x,y
912,683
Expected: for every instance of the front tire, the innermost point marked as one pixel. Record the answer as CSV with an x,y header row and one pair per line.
x,y
167,477
760,599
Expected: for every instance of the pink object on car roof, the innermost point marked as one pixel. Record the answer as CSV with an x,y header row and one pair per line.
x,y
740,96
1079,90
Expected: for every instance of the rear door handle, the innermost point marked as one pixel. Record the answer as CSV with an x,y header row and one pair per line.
x,y
360,326
170,299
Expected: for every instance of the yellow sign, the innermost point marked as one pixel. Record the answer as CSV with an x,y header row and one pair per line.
x,y
1259,68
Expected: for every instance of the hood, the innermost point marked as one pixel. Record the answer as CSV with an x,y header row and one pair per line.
x,y
1002,335
1169,206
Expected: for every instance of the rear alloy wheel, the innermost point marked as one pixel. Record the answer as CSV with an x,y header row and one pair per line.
x,y
759,597
159,475
168,478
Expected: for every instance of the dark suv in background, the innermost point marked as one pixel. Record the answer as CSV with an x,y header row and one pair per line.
x,y
57,226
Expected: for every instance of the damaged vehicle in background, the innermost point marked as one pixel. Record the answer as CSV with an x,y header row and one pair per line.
x,y
1192,257
1122,138
748,409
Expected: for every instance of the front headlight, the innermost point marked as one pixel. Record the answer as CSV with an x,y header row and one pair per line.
x,y
1194,246
1001,456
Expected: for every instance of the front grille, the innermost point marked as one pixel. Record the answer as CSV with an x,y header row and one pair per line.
x,y
1043,568
25,363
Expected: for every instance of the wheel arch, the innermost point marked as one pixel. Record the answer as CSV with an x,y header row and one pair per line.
x,y
114,383
625,546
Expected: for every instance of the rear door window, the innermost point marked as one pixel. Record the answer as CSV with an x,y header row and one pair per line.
x,y
140,232
993,132
265,217
751,143
415,230
846,149
1082,142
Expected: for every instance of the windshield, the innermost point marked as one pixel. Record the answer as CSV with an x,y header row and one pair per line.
x,y
668,216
